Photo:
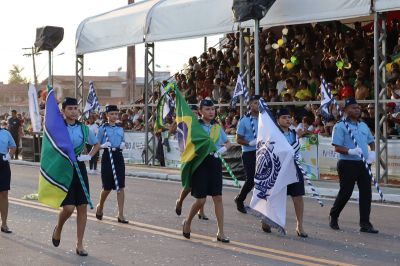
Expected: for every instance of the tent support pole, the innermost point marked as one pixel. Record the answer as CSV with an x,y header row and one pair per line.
x,y
149,152
380,93
79,79
257,56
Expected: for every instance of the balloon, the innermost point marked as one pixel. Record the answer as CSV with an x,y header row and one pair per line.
x,y
389,67
340,64
293,59
285,31
275,46
289,65
280,42
283,60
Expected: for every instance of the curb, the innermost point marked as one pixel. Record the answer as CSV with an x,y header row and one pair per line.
x,y
324,192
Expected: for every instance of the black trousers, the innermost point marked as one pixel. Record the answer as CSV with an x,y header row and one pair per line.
x,y
16,139
351,172
95,158
249,163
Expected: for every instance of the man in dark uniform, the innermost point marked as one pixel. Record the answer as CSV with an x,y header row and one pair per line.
x,y
246,135
351,168
14,126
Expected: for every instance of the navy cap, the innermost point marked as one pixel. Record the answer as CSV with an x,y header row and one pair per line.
x,y
111,108
255,97
349,102
206,102
282,111
194,107
69,101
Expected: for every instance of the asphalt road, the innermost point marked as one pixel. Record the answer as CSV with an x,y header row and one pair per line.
x,y
154,236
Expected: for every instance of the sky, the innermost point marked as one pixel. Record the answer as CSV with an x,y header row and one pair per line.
x,y
19,20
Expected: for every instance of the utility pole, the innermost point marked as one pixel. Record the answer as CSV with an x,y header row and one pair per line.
x,y
33,53
131,71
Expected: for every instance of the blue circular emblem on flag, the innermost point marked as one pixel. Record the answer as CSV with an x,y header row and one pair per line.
x,y
182,130
264,164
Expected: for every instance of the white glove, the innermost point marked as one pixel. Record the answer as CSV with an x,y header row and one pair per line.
x,y
122,146
220,152
106,145
84,157
7,157
356,151
371,157
298,156
253,142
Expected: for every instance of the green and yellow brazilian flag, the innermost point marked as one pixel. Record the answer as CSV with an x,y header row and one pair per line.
x,y
194,143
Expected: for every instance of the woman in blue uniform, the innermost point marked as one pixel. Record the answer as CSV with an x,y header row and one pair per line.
x,y
7,150
114,142
76,198
207,179
295,190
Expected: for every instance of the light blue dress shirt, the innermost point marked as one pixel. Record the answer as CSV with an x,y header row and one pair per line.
x,y
6,141
362,134
245,130
115,135
290,136
222,136
76,135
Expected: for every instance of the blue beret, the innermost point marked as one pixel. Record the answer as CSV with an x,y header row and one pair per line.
x,y
282,111
206,102
255,97
69,101
111,108
350,101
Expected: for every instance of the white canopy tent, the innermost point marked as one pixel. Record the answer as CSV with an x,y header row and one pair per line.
x,y
160,20
153,21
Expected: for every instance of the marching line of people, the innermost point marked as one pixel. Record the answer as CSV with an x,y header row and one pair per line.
x,y
207,178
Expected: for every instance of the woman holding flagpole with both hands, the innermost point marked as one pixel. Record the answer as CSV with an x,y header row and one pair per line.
x,y
207,178
7,150
295,190
76,198
112,140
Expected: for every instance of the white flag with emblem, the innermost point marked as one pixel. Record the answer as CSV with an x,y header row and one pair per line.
x,y
275,169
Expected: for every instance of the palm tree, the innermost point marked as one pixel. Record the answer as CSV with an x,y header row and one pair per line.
x,y
15,75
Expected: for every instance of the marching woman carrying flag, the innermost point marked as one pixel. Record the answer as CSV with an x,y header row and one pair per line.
x,y
7,149
112,141
207,178
63,178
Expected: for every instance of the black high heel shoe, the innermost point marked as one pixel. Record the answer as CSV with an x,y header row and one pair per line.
x,y
301,234
185,235
223,239
202,217
6,230
81,252
56,242
123,220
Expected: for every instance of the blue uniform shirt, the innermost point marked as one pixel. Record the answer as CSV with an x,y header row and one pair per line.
x,y
362,134
76,135
245,130
115,135
222,136
6,141
290,136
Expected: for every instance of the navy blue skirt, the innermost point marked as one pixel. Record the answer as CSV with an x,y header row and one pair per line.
x,y
207,179
76,196
5,174
107,176
297,189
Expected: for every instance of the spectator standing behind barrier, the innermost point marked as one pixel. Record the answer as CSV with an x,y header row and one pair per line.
x,y
246,136
15,128
351,168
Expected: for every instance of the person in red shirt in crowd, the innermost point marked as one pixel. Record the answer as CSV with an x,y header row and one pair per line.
x,y
347,90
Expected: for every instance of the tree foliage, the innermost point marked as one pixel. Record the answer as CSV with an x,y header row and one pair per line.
x,y
16,76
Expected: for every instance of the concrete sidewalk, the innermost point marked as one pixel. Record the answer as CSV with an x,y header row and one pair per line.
x,y
327,189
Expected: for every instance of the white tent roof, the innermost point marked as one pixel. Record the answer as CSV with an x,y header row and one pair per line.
x,y
386,5
161,20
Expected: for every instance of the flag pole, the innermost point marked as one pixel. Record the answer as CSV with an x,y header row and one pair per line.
x,y
328,91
